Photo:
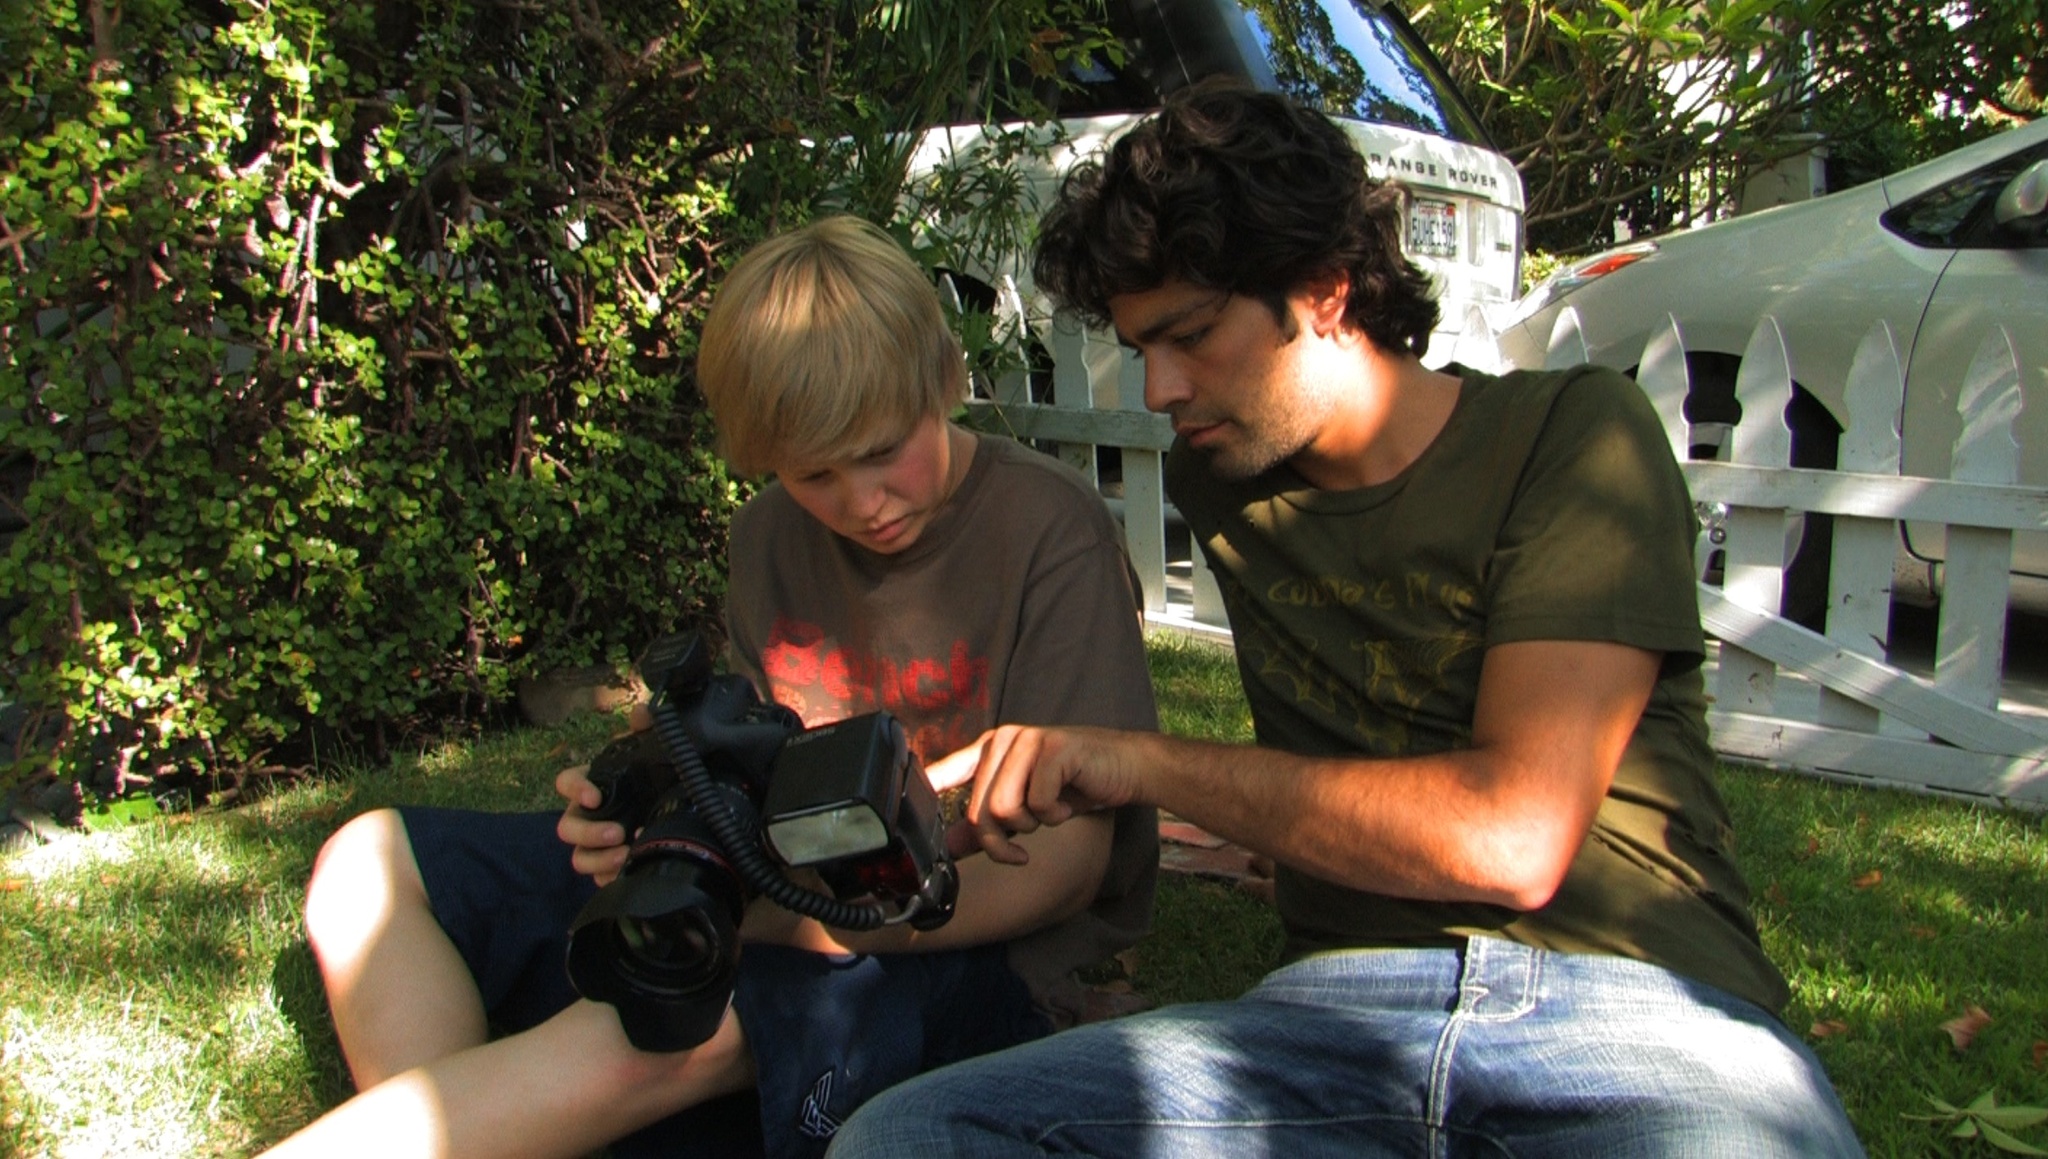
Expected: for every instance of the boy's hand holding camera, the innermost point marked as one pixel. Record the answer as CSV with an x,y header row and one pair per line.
x,y
599,848
599,851
996,896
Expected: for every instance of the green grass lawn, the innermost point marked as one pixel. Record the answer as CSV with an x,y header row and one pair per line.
x,y
157,996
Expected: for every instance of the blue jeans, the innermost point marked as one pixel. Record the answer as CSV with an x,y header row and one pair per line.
x,y
1492,1049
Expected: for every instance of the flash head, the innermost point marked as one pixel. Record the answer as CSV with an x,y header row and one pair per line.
x,y
834,790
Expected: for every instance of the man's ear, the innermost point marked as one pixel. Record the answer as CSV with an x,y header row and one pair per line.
x,y
1326,295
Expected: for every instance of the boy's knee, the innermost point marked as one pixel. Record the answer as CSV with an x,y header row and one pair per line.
x,y
364,871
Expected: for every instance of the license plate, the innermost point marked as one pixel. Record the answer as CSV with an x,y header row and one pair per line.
x,y
1433,228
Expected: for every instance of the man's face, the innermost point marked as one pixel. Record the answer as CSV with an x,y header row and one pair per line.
x,y
1237,386
884,497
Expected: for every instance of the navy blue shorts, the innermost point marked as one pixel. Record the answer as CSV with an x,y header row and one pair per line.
x,y
827,1031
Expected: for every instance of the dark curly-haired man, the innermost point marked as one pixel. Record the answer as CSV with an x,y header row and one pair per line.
x,y
1466,621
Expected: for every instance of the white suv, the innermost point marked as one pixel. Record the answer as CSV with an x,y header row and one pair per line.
x,y
1358,60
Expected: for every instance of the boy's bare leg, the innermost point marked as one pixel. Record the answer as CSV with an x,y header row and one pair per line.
x,y
563,1088
400,993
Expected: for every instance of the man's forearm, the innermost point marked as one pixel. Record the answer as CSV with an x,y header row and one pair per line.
x,y
1498,821
1438,827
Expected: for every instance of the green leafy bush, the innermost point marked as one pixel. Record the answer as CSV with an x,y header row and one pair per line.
x,y
344,348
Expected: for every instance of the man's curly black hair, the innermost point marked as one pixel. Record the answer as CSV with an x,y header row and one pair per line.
x,y
1236,190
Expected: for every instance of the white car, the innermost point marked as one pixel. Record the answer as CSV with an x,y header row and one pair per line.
x,y
1942,251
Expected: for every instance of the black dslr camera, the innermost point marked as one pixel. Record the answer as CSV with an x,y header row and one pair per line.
x,y
722,782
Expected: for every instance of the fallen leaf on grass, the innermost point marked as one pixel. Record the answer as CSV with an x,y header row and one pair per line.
x,y
1829,1029
1812,849
12,884
2040,1053
1963,1030
1776,893
1985,1119
1867,880
1996,1123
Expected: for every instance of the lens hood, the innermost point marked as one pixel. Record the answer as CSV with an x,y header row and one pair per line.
x,y
661,944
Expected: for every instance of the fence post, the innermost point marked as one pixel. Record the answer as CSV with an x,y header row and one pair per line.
x,y
1754,554
1079,360
1860,569
1969,653
1090,371
1144,489
1664,377
1010,326
1208,607
1567,342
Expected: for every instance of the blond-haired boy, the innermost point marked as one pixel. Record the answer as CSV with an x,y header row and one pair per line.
x,y
897,561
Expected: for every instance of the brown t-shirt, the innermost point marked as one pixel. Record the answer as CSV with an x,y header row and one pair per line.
x,y
1016,606
1548,508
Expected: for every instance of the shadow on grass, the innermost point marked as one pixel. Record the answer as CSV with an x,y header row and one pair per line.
x,y
295,979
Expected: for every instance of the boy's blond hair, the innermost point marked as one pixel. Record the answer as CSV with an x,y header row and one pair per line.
x,y
822,344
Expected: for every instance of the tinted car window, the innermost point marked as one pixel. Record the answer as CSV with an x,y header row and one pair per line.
x,y
1958,215
1095,87
1349,58
1354,59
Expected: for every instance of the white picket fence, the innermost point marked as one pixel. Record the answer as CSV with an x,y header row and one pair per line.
x,y
1868,719
1828,702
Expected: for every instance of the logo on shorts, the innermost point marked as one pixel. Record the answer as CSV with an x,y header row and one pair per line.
x,y
812,1118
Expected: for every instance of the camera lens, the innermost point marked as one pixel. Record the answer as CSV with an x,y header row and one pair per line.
x,y
666,938
663,947
675,951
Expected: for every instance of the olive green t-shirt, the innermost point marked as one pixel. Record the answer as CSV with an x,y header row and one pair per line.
x,y
1548,508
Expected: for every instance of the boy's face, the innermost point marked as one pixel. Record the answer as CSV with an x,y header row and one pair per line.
x,y
882,498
